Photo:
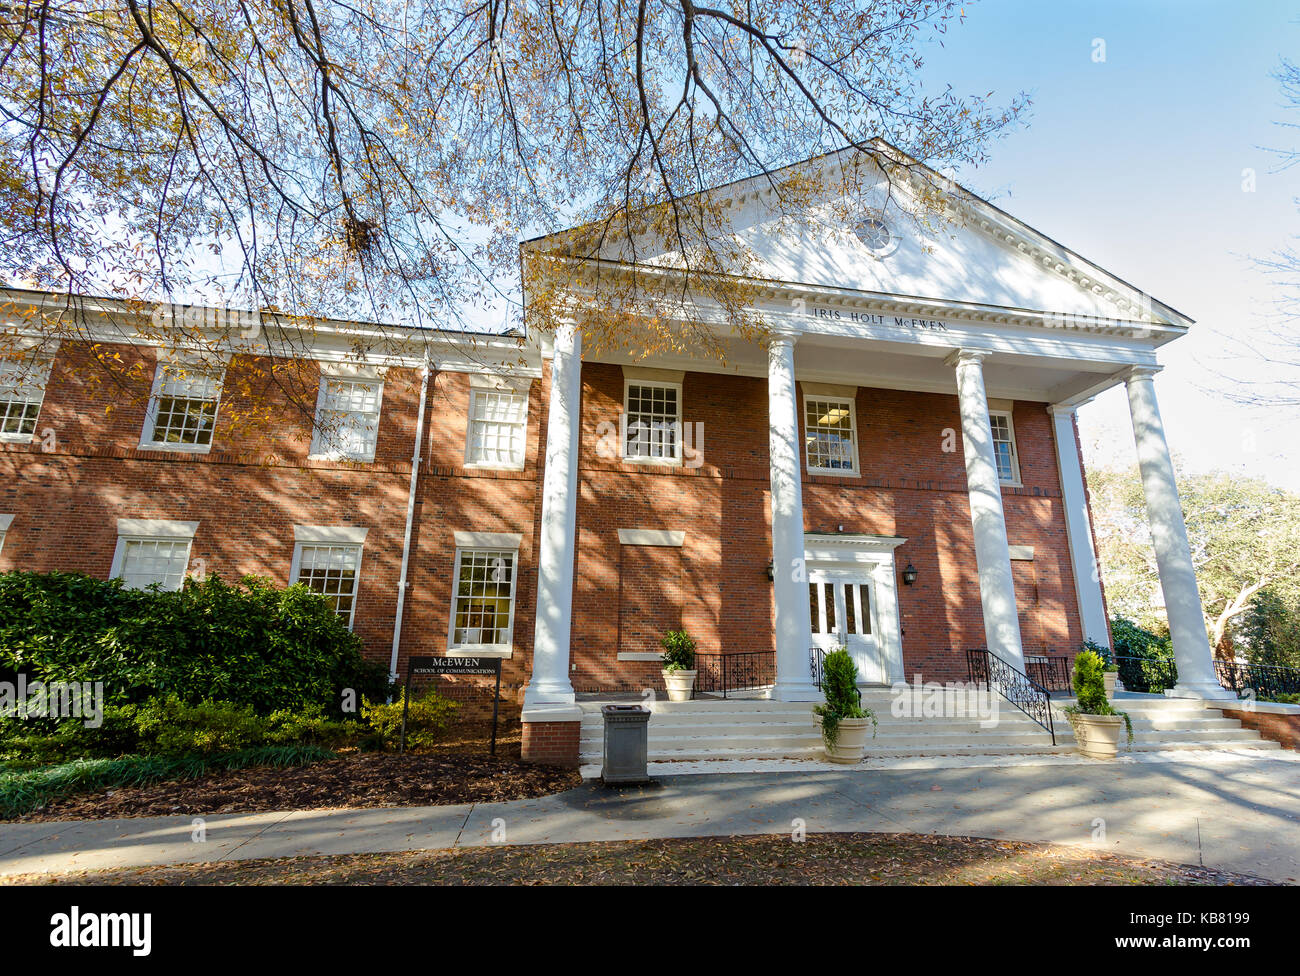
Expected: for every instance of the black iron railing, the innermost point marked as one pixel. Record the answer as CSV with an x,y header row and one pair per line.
x,y
1144,675
1049,670
1014,685
1262,681
816,664
722,674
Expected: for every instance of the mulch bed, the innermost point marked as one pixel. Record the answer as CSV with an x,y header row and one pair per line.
x,y
458,770
822,859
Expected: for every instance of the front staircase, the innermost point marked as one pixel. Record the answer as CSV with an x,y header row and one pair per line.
x,y
763,729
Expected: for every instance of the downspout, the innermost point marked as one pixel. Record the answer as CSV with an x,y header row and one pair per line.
x,y
410,516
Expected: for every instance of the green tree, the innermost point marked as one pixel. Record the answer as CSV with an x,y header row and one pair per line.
x,y
1268,631
1244,535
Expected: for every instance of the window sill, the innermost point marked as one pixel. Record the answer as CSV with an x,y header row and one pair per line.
x,y
177,448
638,656
483,466
19,438
655,462
834,472
481,650
355,459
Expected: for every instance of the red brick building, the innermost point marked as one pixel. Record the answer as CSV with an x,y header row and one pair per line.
x,y
895,469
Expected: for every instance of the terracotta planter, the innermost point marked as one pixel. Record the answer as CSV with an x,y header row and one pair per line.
x,y
679,685
1097,736
851,743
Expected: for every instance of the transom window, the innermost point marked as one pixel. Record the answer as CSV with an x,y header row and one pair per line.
x,y
498,428
652,418
347,418
830,435
146,562
22,390
332,571
484,601
1004,447
183,411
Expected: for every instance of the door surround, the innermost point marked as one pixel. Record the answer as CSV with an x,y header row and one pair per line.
x,y
870,557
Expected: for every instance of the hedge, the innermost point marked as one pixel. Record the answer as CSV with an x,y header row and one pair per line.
x,y
249,643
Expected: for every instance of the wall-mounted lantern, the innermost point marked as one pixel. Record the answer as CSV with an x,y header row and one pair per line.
x,y
771,572
909,575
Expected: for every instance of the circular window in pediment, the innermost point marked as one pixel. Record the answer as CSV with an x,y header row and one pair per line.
x,y
876,236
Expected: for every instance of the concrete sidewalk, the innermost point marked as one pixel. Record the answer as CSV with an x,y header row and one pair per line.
x,y
1241,815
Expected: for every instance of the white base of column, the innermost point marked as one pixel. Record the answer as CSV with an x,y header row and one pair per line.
x,y
543,693
796,691
1208,692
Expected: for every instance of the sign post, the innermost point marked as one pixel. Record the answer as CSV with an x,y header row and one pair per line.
x,y
456,666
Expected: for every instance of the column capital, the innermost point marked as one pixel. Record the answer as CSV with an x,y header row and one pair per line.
x,y
964,357
1138,373
1066,409
783,334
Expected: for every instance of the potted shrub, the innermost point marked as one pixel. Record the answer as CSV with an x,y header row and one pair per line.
x,y
843,720
1095,720
679,664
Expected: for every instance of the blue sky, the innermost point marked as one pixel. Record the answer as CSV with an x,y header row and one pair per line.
x,y
1137,163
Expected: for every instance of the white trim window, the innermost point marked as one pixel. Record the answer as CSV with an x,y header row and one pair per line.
x,y
182,413
497,432
5,522
327,560
1004,446
22,391
347,418
152,552
483,601
652,421
830,435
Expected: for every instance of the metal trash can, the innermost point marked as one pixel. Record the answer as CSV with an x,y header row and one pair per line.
x,y
623,759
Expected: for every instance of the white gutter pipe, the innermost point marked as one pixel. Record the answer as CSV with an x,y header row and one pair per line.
x,y
410,517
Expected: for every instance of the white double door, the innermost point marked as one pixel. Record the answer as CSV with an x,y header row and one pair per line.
x,y
842,604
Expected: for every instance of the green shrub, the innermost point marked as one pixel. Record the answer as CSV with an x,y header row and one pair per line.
x,y
843,699
429,715
679,651
168,726
1130,640
1090,690
249,644
22,791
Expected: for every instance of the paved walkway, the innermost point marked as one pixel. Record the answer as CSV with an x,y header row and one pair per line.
x,y
1237,814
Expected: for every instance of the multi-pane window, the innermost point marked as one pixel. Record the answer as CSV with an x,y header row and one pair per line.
x,y
22,389
146,562
331,570
830,435
183,410
347,418
652,419
1004,447
484,600
5,522
498,426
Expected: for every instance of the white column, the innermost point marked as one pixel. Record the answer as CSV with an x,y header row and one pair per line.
x,y
1196,677
992,555
550,683
790,578
1078,527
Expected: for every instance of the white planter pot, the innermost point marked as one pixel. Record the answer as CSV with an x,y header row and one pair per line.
x,y
679,684
1098,735
851,742
1110,679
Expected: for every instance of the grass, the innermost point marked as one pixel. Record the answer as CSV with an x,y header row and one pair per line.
x,y
821,859
24,790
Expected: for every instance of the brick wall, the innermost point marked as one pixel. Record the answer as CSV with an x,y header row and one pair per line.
x,y
257,483
551,743
1283,728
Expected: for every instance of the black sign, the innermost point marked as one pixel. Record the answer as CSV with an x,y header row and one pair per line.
x,y
454,666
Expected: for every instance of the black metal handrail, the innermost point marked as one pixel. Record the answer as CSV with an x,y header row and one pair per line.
x,y
985,667
721,674
816,665
1263,681
1049,670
